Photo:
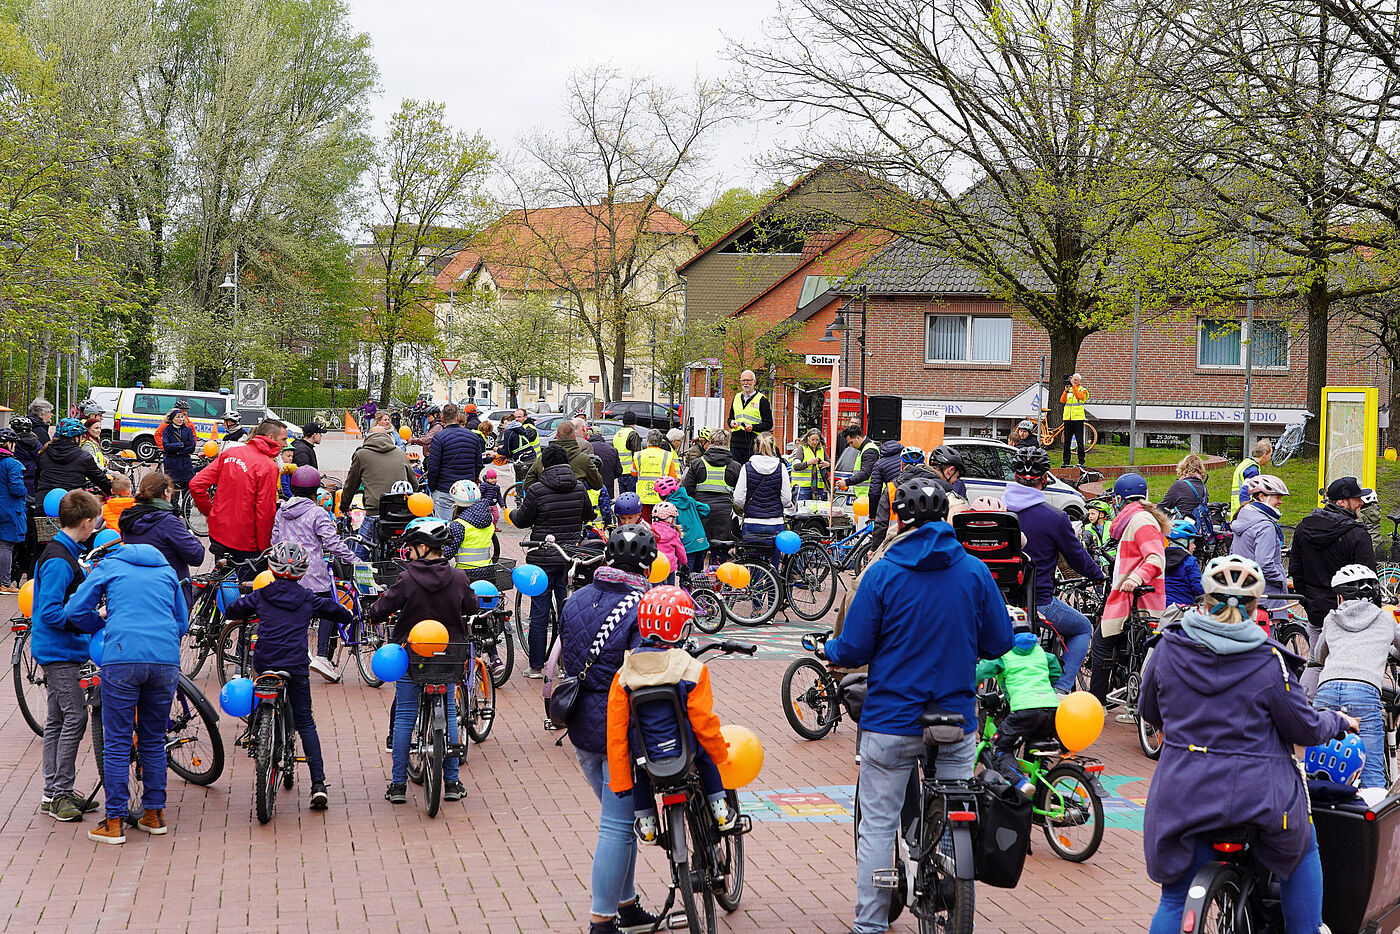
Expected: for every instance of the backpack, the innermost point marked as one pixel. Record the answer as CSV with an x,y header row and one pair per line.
x,y
1205,528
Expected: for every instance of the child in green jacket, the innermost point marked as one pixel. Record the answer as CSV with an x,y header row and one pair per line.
x,y
689,511
1027,676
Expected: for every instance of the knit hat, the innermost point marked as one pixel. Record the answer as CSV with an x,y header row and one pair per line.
x,y
554,455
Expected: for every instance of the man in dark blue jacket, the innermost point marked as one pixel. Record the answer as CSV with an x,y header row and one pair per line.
x,y
1049,535
921,618
454,454
886,469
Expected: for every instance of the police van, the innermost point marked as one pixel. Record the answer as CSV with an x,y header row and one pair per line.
x,y
140,411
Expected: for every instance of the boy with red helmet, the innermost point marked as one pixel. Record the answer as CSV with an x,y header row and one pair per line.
x,y
663,619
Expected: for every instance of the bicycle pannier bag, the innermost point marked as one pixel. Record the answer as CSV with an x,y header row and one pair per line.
x,y
1003,836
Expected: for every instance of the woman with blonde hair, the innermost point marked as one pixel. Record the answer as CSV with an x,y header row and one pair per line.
x,y
1188,491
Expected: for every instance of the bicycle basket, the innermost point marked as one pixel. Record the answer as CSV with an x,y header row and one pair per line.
x,y
226,593
1002,837
449,667
498,574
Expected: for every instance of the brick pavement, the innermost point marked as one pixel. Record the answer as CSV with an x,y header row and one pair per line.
x,y
514,857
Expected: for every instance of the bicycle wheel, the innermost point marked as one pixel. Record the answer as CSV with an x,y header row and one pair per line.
x,y
729,868
860,555
31,687
1072,812
1149,737
482,710
810,698
495,549
757,603
433,761
1091,437
233,651
195,645
522,624
266,757
369,636
505,649
1389,575
194,747
810,579
1219,907
1294,637
416,748
944,903
697,900
710,612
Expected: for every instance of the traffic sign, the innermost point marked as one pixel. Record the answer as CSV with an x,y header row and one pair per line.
x,y
593,379
449,365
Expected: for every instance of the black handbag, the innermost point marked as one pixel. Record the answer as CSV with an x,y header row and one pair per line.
x,y
564,695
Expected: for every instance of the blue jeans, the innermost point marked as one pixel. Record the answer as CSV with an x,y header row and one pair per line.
x,y
366,531
299,699
1363,702
1301,894
136,698
539,614
615,856
1073,627
406,695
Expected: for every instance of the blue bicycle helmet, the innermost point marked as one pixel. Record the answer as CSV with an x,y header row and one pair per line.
x,y
1337,760
1130,486
1183,530
69,428
487,594
912,455
627,504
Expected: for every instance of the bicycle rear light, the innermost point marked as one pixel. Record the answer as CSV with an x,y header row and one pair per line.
x,y
1188,921
677,798
962,816
1228,847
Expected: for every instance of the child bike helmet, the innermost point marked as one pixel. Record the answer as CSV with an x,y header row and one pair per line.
x,y
666,486
665,512
1337,760
1183,530
22,424
1030,463
288,560
464,493
426,531
1356,582
69,428
631,546
665,614
918,500
1232,581
986,504
306,477
1130,486
628,504
401,488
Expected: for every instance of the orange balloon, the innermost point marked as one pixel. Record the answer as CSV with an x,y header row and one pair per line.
x,y
404,433
745,756
263,579
660,569
428,637
211,449
1079,720
735,575
861,506
26,598
505,517
420,504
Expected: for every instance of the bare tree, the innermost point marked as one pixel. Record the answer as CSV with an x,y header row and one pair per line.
x,y
633,153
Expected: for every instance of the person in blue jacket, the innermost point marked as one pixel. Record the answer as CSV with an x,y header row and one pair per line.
x,y
146,616
152,521
177,441
13,517
921,618
1183,572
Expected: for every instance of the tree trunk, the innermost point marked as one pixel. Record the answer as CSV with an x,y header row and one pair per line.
x,y
1064,358
1392,433
619,362
1319,305
386,383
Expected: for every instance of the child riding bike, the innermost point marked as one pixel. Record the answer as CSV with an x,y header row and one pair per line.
x,y
1183,573
1026,675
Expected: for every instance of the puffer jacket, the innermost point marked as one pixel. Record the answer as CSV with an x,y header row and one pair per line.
x,y
178,443
558,505
159,527
1324,541
246,475
427,589
374,468
146,609
454,454
583,616
300,520
284,610
886,469
720,520
764,491
580,462
65,466
27,450
304,453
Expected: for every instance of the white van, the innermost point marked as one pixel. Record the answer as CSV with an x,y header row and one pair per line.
x,y
139,413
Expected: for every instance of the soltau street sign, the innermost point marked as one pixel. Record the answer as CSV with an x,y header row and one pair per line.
x,y
593,378
449,365
822,359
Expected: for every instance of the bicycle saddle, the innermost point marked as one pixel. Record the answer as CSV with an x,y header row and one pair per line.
x,y
273,674
1043,747
941,718
720,543
1393,517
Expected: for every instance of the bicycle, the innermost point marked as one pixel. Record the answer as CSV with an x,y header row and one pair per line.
x,y
429,748
707,864
812,697
1066,797
1291,441
805,581
476,692
271,742
1049,436
1388,571
582,561
213,592
704,589
31,685
1126,667
361,638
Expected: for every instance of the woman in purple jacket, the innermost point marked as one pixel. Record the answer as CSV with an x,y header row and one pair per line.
x,y
1230,710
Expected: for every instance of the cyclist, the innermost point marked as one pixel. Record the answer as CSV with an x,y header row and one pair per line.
x,y
1094,533
1370,516
663,622
1024,435
698,447
663,524
1230,711
284,609
764,493
1183,573
1353,650
471,529
455,454
13,519
1258,535
867,456
65,466
689,519
304,448
609,464
432,424
949,464
1325,541
1252,466
886,468
1049,537
92,439
119,502
375,468
233,430
1026,675
627,442
920,619
579,455
41,417
428,588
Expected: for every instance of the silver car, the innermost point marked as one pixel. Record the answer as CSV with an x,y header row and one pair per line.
x,y
988,471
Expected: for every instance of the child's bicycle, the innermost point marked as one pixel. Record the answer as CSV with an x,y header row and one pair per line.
x,y
430,746
704,589
476,692
213,592
805,581
812,697
1066,800
271,741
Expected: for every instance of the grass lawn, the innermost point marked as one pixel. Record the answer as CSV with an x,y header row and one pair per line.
x,y
1111,455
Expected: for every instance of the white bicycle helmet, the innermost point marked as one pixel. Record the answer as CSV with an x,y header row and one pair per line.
x,y
1369,497
1232,581
986,504
664,511
1356,582
401,488
1265,484
464,493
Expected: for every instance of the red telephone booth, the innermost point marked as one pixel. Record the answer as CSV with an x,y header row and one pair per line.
x,y
848,405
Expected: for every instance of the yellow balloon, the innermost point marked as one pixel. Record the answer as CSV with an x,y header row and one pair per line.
x,y
1079,720
745,756
262,580
1390,454
404,433
26,598
505,517
861,506
420,504
660,569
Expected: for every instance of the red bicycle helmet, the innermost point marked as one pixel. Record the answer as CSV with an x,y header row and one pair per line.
x,y
665,614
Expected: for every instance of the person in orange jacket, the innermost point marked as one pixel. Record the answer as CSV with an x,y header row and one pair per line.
x,y
663,619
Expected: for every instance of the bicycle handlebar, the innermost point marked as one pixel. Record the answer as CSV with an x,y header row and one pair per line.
x,y
579,559
726,646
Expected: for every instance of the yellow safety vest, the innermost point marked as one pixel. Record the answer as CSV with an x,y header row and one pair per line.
x,y
620,441
863,488
652,464
475,550
807,477
1237,482
594,496
714,480
748,414
1074,406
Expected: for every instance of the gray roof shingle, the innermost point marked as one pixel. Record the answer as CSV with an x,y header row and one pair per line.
x,y
909,268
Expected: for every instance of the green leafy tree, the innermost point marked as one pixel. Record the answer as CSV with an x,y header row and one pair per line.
x,y
729,210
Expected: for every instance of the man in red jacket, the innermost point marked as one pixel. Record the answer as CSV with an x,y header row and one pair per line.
x,y
240,521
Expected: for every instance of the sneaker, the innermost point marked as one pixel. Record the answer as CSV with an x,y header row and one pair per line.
x,y
323,667
389,744
320,800
9,588
723,816
45,805
1126,718
110,830
603,927
153,821
497,666
66,808
397,793
646,828
632,918
534,674
453,791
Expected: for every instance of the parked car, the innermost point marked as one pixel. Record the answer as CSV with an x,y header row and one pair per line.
x,y
607,426
546,425
989,471
649,414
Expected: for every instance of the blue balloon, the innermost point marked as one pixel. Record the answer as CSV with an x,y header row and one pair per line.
x,y
788,542
95,646
236,697
487,594
51,500
389,662
530,580
106,537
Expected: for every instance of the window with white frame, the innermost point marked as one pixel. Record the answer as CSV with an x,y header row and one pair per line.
x,y
532,384
967,339
332,371
1221,342
627,381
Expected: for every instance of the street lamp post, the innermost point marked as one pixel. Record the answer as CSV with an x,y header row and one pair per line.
x,y
231,282
839,326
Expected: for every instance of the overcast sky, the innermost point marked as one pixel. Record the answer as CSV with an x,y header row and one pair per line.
x,y
500,65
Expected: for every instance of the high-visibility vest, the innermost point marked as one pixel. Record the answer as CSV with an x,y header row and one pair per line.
x,y
475,550
620,441
1237,483
807,477
863,488
532,445
748,414
651,465
1074,406
714,480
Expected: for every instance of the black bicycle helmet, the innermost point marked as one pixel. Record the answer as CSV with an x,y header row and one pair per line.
x,y
8,436
22,424
289,560
946,456
918,500
182,405
426,531
631,547
1030,463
